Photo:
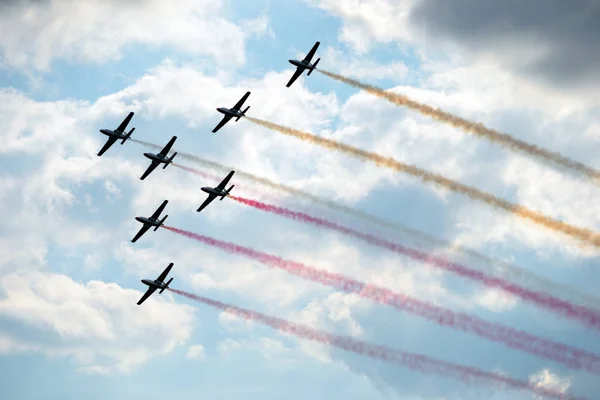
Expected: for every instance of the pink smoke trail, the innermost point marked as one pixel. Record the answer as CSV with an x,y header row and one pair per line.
x,y
414,361
581,313
513,338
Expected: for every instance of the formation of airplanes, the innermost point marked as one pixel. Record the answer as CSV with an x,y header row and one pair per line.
x,y
163,157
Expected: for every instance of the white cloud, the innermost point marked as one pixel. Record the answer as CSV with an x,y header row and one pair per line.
x,y
549,380
35,34
362,67
269,348
496,300
196,352
97,324
365,22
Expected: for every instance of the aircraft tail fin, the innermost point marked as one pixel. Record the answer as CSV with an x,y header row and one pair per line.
x,y
226,193
170,160
166,286
314,66
243,113
162,221
128,135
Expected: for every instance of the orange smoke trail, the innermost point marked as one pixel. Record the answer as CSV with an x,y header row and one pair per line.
x,y
414,361
583,234
475,128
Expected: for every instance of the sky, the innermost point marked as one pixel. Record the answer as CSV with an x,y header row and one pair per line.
x,y
70,277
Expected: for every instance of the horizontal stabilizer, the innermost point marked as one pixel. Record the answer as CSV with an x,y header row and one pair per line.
x,y
128,135
170,160
243,113
226,193
166,286
313,67
162,221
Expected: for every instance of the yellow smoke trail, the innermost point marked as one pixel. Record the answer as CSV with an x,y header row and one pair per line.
x,y
499,268
472,127
585,235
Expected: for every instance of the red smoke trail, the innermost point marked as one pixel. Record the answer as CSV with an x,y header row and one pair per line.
x,y
412,361
581,313
516,339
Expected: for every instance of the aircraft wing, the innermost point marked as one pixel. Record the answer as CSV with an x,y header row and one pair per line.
x,y
140,233
167,148
312,52
151,168
296,75
225,120
159,209
146,295
111,140
225,181
164,274
125,122
208,200
239,104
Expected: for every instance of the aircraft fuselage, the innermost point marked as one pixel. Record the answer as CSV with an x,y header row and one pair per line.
x,y
215,191
230,111
300,64
153,283
156,157
110,132
149,221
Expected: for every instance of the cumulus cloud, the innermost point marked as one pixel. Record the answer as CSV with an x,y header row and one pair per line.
x,y
362,67
196,352
549,380
96,324
34,34
550,41
555,39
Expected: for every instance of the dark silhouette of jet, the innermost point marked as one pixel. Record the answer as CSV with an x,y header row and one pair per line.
x,y
304,64
232,112
117,134
160,158
158,283
215,192
150,222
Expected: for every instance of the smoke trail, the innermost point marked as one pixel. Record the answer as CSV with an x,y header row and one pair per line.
x,y
582,234
477,129
513,338
498,267
414,361
583,314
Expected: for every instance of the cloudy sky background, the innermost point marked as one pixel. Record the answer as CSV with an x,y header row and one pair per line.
x,y
69,325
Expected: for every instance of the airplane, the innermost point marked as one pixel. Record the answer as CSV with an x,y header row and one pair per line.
x,y
158,283
160,158
151,221
304,64
232,112
117,134
215,192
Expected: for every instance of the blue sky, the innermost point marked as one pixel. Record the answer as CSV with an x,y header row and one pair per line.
x,y
69,325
